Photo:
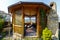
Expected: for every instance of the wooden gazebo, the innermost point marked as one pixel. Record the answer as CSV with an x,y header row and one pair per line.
x,y
27,18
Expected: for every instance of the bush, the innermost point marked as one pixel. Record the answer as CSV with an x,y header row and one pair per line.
x,y
1,24
46,34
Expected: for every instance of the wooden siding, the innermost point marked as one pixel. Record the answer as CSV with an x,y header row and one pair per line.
x,y
18,29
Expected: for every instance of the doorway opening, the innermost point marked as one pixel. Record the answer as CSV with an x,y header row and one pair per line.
x,y
30,26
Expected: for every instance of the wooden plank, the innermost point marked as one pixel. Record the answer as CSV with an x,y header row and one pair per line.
x,y
18,30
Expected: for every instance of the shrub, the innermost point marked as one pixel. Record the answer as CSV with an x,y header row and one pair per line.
x,y
46,34
1,24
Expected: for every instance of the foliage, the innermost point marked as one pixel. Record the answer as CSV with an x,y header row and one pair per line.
x,y
46,34
42,18
3,35
1,23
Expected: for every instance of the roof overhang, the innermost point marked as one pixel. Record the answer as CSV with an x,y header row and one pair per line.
x,y
19,4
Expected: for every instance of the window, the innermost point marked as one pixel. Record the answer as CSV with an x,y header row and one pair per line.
x,y
30,19
33,19
27,20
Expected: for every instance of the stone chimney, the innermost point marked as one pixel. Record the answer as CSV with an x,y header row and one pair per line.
x,y
52,20
53,6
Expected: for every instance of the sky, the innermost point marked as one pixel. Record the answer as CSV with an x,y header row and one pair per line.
x,y
5,3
